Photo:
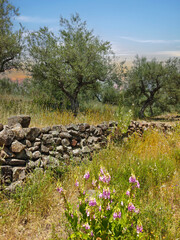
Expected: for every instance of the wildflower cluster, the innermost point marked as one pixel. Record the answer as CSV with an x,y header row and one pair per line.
x,y
102,213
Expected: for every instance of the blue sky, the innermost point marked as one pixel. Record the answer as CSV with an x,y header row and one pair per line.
x,y
145,27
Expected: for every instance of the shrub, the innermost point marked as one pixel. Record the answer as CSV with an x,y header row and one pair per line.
x,y
100,213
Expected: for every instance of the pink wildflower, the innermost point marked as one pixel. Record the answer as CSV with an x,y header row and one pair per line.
x,y
86,226
132,179
86,175
77,184
92,202
60,189
131,207
139,229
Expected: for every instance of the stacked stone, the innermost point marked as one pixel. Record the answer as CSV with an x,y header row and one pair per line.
x,y
140,127
24,149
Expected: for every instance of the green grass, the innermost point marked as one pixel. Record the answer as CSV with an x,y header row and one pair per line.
x,y
35,210
42,116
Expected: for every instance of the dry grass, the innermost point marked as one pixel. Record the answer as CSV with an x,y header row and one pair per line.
x,y
41,116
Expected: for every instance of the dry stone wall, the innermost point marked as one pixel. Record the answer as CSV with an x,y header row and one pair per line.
x,y
23,149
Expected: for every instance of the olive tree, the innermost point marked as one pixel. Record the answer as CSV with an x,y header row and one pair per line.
x,y
146,82
72,62
10,41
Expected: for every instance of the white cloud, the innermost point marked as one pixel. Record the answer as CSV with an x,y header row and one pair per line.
x,y
149,40
28,19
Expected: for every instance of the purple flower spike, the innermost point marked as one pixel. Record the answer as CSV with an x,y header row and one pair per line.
x,y
87,175
128,193
131,207
115,215
77,184
132,179
139,229
92,202
92,234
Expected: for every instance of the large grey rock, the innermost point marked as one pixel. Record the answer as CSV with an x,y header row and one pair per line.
x,y
44,149
48,139
17,146
60,149
86,150
18,131
1,127
22,119
77,152
65,142
6,137
65,135
36,155
32,133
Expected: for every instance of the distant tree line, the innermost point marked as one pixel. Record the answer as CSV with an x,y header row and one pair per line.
x,y
77,67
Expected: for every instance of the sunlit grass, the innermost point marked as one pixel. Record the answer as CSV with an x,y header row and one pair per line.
x,y
36,210
41,116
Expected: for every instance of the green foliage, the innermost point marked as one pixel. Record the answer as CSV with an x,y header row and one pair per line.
x,y
152,84
10,42
70,63
101,213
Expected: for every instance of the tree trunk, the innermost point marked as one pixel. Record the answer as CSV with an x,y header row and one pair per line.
x,y
145,105
74,106
151,111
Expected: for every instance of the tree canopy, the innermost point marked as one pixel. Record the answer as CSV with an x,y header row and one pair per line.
x,y
10,42
146,82
73,61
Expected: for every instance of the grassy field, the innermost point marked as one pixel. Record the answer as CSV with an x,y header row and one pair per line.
x,y
36,211
41,116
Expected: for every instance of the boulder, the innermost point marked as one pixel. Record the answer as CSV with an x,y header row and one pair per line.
x,y
65,135
48,139
17,147
32,133
6,137
36,155
18,131
22,119
77,152
65,142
